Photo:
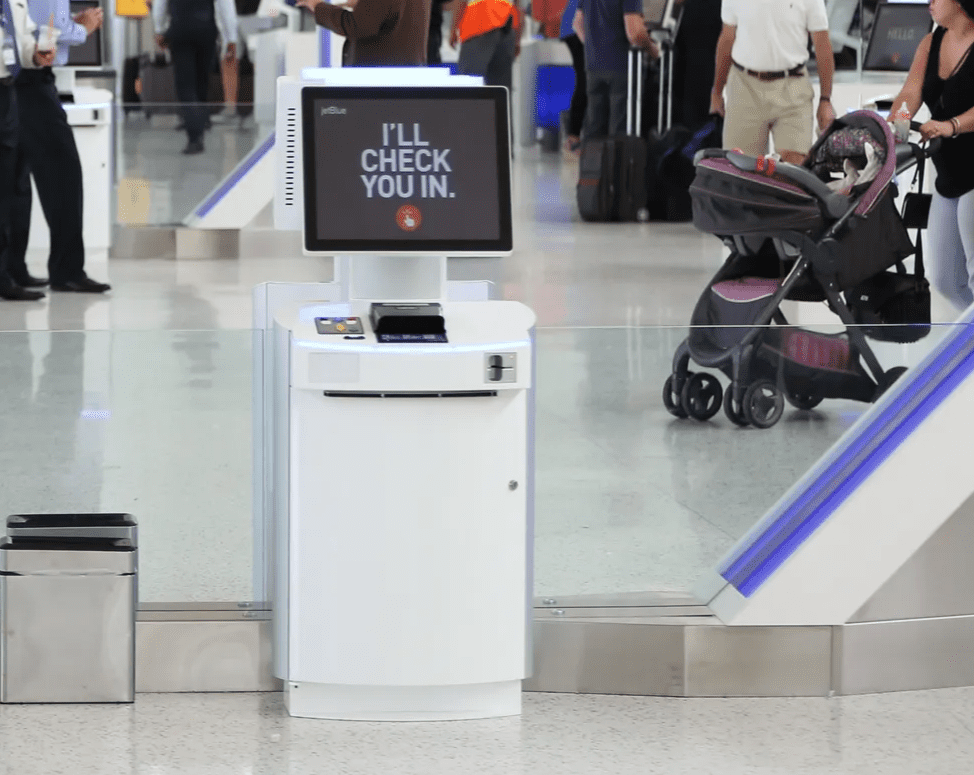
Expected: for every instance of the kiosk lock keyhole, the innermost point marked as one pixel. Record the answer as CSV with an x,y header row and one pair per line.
x,y
501,367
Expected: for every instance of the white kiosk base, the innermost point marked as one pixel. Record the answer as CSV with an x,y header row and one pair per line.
x,y
403,703
402,510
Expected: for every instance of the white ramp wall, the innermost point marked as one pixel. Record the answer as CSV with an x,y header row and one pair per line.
x,y
842,531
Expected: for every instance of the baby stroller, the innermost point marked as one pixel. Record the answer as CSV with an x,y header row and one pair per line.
x,y
793,237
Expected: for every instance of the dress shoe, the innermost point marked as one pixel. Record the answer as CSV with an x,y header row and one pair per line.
x,y
83,285
29,281
13,292
193,147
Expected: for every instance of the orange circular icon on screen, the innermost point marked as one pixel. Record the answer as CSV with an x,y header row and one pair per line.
x,y
408,217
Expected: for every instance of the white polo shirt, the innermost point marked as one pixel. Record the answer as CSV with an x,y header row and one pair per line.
x,y
773,34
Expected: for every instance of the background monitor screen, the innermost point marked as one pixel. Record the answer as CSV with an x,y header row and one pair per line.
x,y
406,169
896,34
654,11
88,54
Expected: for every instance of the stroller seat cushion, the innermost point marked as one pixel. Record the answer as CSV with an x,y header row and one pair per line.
x,y
747,289
847,143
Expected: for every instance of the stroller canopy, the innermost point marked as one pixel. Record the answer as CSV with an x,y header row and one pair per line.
x,y
729,201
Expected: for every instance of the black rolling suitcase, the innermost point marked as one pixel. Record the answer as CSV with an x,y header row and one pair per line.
x,y
633,195
597,173
612,170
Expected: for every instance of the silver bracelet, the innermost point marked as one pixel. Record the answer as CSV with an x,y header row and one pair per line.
x,y
955,122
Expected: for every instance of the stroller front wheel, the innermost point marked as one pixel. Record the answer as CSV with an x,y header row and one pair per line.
x,y
672,400
763,404
736,416
701,396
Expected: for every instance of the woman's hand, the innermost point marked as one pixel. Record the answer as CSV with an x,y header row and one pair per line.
x,y
934,129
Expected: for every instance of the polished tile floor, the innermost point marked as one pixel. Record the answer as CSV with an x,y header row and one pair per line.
x,y
921,733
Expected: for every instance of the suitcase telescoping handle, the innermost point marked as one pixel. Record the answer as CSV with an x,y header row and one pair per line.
x,y
634,93
664,120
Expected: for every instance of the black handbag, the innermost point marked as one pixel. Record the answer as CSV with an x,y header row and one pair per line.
x,y
895,306
916,210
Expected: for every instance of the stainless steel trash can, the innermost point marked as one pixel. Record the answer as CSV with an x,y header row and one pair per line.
x,y
68,596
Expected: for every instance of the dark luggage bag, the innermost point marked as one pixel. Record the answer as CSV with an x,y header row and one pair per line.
x,y
612,171
671,168
596,190
245,86
158,85
130,84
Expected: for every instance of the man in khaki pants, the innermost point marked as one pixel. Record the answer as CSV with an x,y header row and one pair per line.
x,y
761,58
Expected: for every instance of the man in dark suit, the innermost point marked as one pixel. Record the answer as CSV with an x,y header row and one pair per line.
x,y
49,153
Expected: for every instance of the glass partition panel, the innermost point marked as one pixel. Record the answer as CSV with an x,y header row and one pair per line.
x,y
631,499
154,423
158,184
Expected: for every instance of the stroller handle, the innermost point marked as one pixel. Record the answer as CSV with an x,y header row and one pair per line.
x,y
909,154
835,204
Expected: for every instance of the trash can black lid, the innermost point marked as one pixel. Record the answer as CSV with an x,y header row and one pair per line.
x,y
66,545
70,520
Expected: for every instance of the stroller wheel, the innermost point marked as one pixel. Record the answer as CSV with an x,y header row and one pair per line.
x,y
763,404
736,416
701,396
803,401
672,400
886,381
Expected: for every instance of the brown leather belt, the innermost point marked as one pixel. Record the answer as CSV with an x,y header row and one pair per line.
x,y
774,75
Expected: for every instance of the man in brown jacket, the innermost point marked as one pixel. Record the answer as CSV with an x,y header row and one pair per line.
x,y
378,33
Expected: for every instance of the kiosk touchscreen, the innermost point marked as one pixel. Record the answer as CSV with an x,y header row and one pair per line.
x,y
407,170
896,34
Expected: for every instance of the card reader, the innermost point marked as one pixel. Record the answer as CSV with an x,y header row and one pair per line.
x,y
408,322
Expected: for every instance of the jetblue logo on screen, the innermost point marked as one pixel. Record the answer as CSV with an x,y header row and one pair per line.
x,y
333,110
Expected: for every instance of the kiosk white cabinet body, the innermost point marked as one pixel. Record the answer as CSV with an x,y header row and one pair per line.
x,y
400,443
405,541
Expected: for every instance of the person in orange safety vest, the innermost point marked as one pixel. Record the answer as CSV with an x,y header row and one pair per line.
x,y
489,33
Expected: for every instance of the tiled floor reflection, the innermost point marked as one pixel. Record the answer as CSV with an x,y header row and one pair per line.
x,y
920,733
124,410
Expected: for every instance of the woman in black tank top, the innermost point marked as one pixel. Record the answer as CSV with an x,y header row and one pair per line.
x,y
942,78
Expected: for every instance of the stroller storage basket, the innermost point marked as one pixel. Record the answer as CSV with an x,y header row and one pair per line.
x,y
814,364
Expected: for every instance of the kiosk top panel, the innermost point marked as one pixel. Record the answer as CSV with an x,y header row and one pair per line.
x,y
896,34
391,170
89,53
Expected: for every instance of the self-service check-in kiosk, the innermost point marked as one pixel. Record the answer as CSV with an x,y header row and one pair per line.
x,y
396,451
